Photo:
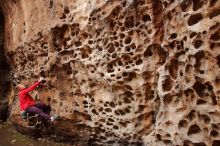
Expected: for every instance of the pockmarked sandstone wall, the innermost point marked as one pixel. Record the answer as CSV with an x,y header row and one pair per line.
x,y
134,71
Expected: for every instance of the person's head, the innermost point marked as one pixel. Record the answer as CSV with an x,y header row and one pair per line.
x,y
20,87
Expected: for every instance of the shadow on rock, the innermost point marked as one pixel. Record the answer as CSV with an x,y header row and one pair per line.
x,y
62,130
3,111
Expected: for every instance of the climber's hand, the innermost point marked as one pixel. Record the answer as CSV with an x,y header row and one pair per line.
x,y
41,79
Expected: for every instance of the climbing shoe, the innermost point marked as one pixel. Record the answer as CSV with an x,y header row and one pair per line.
x,y
55,117
24,114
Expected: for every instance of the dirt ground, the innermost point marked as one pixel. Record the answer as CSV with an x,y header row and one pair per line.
x,y
10,137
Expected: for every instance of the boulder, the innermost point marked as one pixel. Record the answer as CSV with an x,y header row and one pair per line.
x,y
122,71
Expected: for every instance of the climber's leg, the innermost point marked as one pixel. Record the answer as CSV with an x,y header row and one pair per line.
x,y
36,110
43,107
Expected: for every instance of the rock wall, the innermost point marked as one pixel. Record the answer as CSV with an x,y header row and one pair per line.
x,y
143,71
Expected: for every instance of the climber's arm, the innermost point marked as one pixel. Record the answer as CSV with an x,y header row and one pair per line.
x,y
31,87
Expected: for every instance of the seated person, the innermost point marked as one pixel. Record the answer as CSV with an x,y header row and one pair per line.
x,y
27,103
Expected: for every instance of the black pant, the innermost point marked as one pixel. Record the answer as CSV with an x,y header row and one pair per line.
x,y
40,109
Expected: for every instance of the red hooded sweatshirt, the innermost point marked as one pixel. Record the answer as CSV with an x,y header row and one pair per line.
x,y
25,99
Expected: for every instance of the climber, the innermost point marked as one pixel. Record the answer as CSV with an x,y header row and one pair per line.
x,y
28,105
